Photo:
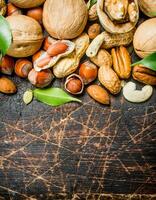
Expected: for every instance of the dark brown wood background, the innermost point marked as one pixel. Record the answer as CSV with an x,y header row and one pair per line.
x,y
77,151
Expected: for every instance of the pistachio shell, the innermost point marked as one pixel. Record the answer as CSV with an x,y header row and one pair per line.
x,y
27,3
145,38
27,36
65,19
110,25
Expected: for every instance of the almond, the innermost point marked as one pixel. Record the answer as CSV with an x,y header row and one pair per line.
x,y
99,94
57,48
7,86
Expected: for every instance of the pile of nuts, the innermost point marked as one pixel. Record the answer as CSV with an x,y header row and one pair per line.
x,y
108,59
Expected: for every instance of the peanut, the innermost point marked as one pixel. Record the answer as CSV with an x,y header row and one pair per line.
x,y
57,48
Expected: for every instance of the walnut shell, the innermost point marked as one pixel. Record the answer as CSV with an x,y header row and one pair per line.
x,y
65,19
145,38
2,7
27,36
148,7
27,3
112,26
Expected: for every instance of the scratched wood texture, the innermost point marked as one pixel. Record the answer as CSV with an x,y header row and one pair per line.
x,y
77,151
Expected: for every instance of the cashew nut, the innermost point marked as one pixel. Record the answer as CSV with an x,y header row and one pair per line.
x,y
95,45
137,96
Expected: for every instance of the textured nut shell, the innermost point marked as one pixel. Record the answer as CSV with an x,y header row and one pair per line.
x,y
114,40
109,79
27,3
103,58
148,7
2,7
69,64
145,38
109,25
65,19
27,36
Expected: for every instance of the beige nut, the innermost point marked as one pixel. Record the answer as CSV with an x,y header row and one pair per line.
x,y
109,79
117,9
93,13
95,45
144,75
103,58
114,40
121,62
137,96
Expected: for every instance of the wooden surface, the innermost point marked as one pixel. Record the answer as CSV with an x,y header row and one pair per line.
x,y
77,151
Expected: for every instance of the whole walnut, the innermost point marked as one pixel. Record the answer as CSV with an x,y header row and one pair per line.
x,y
144,41
27,36
65,19
27,3
148,7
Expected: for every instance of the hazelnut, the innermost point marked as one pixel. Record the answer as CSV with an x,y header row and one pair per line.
x,y
88,72
40,79
7,86
94,30
13,10
7,65
36,13
23,67
74,84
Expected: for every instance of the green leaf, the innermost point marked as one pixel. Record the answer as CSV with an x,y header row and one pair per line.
x,y
5,35
53,96
152,14
148,62
91,3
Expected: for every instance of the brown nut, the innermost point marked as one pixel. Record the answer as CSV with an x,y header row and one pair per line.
x,y
2,7
99,94
109,79
37,55
103,58
88,72
36,13
93,13
144,75
94,30
47,42
7,86
57,48
121,62
7,65
40,79
74,84
23,67
13,10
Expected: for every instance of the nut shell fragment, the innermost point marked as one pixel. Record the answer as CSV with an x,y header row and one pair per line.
x,y
111,25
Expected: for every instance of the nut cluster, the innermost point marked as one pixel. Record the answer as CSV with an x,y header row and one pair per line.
x,y
107,61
